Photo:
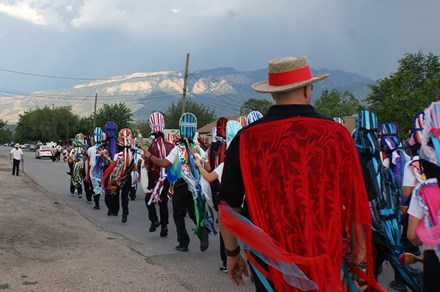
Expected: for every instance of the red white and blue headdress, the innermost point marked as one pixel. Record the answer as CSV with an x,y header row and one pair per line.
x,y
157,122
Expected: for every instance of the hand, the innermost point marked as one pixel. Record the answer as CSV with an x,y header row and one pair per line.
x,y
197,162
237,266
147,154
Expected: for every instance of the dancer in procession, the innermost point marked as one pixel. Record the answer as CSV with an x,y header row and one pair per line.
x,y
118,175
304,231
158,185
424,208
230,130
183,174
75,160
97,154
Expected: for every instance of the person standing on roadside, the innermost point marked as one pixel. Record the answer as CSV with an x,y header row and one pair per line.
x,y
16,155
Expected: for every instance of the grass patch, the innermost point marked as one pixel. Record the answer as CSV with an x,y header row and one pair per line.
x,y
4,286
27,283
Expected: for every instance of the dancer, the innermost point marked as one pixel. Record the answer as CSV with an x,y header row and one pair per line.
x,y
293,165
184,176
384,194
232,128
158,185
75,159
97,164
424,208
119,175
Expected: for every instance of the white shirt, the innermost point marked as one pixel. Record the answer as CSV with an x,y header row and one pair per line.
x,y
16,153
219,171
411,177
171,157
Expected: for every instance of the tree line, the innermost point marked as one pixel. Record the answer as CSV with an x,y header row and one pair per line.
x,y
395,98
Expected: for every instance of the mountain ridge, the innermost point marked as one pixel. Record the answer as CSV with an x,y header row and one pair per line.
x,y
223,89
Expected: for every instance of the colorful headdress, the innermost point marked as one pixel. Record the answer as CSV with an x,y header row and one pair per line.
x,y
243,121
124,137
389,137
430,149
253,116
157,122
188,125
367,120
79,140
221,127
98,135
111,131
232,128
214,133
339,120
415,138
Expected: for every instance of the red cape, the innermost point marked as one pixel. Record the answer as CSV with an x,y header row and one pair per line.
x,y
304,189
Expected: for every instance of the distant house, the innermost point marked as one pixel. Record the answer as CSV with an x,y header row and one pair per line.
x,y
205,131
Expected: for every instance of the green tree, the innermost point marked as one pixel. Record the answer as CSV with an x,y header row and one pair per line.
x,y
118,113
399,96
174,112
5,133
253,104
337,104
46,124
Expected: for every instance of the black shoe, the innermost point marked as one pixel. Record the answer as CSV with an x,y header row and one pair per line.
x,y
204,241
181,247
124,218
72,189
154,226
133,197
109,213
97,208
164,231
69,173
223,269
398,286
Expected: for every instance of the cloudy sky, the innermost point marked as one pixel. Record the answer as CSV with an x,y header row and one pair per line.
x,y
102,38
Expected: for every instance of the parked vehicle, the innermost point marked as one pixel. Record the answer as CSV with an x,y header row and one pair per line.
x,y
43,151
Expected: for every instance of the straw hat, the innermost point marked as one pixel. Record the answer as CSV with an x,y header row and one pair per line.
x,y
286,74
17,145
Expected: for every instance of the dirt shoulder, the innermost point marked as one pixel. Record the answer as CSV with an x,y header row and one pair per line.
x,y
47,246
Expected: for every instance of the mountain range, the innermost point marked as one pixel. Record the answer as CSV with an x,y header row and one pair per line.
x,y
222,89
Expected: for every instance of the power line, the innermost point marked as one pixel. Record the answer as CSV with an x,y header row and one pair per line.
x,y
217,93
48,76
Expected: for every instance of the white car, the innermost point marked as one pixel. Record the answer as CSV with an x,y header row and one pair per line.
x,y
43,151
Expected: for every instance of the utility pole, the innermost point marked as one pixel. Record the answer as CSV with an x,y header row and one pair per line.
x,y
94,118
185,78
94,112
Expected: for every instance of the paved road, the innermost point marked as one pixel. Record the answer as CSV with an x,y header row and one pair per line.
x,y
197,271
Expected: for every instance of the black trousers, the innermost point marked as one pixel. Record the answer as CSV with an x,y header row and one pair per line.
x,y
15,166
431,271
112,201
182,203
163,206
88,188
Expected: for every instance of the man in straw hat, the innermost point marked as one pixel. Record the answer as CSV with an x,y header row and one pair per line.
x,y
16,155
305,196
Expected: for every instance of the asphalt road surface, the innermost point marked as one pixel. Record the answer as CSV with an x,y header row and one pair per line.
x,y
197,271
